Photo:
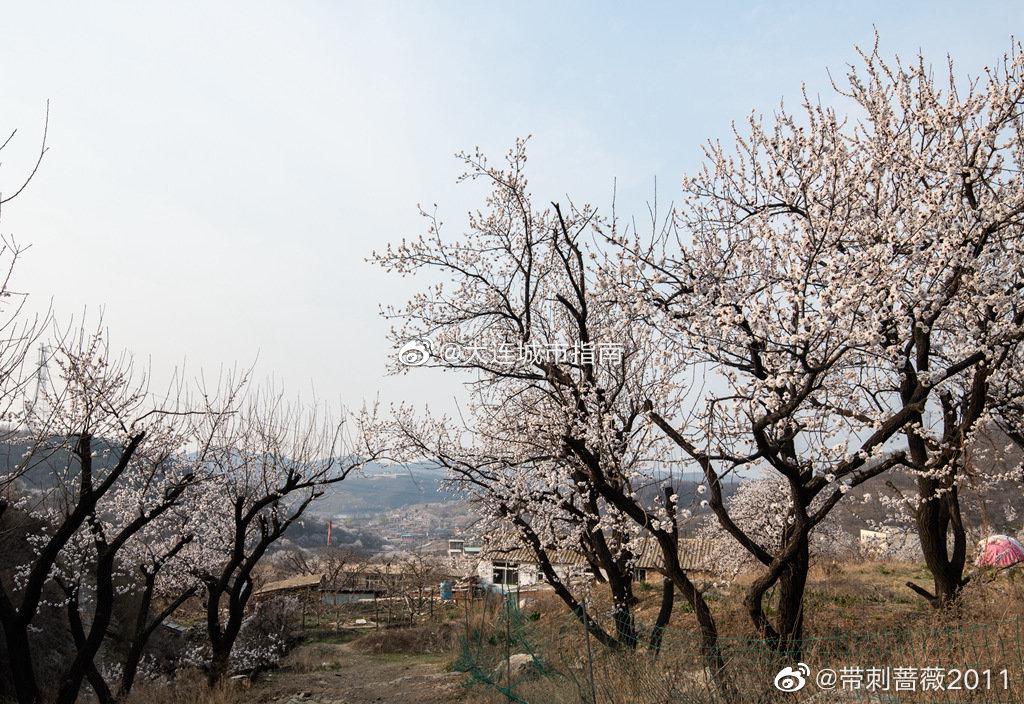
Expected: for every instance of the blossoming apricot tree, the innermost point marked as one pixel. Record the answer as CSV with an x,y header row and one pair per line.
x,y
554,443
844,283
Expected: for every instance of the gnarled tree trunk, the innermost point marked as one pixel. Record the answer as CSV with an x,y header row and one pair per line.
x,y
19,662
937,517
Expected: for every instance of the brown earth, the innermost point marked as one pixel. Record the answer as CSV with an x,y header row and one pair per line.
x,y
326,673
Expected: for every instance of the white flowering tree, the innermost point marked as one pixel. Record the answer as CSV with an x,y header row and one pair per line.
x,y
109,460
950,154
554,443
162,564
835,280
267,464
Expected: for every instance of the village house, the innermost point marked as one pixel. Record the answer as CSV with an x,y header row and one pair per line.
x,y
514,568
462,557
458,547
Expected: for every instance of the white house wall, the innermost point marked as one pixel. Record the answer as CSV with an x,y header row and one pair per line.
x,y
529,574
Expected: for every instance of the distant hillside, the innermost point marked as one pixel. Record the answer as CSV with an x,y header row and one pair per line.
x,y
378,489
46,465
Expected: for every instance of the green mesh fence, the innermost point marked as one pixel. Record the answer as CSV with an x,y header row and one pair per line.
x,y
518,655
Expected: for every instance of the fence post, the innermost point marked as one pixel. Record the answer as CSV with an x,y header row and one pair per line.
x,y
508,644
465,600
590,654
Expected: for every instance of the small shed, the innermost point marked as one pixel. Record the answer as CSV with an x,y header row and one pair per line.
x,y
299,583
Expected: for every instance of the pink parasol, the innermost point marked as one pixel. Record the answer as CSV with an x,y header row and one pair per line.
x,y
999,551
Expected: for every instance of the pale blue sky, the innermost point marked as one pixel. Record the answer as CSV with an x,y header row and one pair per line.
x,y
219,171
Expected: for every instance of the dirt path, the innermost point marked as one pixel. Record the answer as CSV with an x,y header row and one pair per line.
x,y
340,674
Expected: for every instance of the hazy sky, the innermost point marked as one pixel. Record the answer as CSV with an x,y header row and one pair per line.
x,y
218,172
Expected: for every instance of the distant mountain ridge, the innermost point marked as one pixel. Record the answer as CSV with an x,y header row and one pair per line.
x,y
378,488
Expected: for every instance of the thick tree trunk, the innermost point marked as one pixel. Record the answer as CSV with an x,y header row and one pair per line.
x,y
617,570
99,685
936,519
222,639
938,513
139,637
131,669
711,651
83,665
220,666
790,620
622,596
144,628
668,592
220,660
625,627
790,573
19,663
220,650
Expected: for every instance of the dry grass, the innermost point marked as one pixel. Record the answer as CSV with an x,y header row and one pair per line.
x,y
189,688
438,639
862,615
421,640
